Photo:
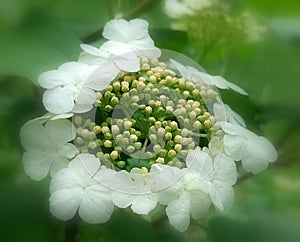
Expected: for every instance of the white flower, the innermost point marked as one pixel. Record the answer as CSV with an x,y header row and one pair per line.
x,y
223,112
192,74
217,176
129,189
178,8
74,188
129,36
106,60
47,147
70,88
255,152
184,197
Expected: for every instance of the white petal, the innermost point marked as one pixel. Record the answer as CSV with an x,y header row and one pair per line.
x,y
200,203
58,100
102,76
224,169
126,64
116,29
78,71
235,147
37,164
259,153
143,204
178,212
122,200
61,131
199,162
68,150
221,83
33,135
151,53
64,203
138,28
54,78
82,108
96,205
222,195
86,96
58,164
90,49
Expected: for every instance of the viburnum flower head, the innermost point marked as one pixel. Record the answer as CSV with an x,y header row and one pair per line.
x,y
148,132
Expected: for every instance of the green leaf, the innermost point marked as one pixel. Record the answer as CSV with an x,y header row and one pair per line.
x,y
169,39
37,45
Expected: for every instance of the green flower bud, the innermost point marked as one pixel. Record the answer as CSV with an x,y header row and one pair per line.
x,y
156,149
105,130
178,147
178,139
97,129
93,145
133,138
121,164
114,155
127,124
171,153
107,143
130,149
79,141
115,129
168,136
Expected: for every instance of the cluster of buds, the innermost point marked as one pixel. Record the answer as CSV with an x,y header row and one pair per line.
x,y
153,116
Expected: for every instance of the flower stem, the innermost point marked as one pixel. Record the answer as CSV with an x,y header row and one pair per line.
x,y
71,230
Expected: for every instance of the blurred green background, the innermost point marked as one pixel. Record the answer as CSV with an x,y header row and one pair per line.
x,y
38,35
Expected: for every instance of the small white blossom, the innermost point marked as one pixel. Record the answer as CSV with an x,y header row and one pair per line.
x,y
217,176
103,58
255,152
192,74
129,36
75,188
47,147
184,195
129,189
70,88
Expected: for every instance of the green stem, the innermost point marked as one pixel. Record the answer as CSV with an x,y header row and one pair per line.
x,y
71,230
111,8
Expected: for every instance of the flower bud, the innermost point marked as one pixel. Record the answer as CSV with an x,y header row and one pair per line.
x,y
92,145
130,149
107,143
114,154
97,129
171,153
160,160
121,164
168,136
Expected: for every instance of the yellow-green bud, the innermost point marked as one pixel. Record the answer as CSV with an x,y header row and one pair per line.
x,y
178,139
114,154
133,138
168,136
105,130
127,124
121,164
107,143
156,149
97,129
178,147
92,145
171,153
130,149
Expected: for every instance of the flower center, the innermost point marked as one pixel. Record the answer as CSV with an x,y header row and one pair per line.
x,y
147,117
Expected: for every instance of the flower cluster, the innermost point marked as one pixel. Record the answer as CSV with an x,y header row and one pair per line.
x,y
144,132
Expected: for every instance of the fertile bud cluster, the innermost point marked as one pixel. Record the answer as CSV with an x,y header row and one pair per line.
x,y
147,117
